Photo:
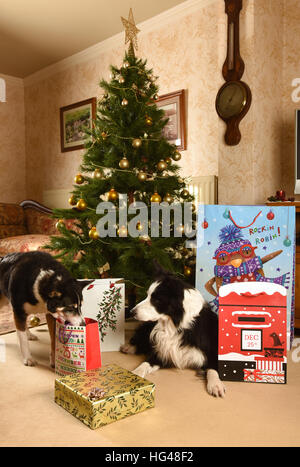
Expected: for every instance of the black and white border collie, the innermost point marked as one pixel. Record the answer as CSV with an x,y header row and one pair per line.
x,y
179,330
35,282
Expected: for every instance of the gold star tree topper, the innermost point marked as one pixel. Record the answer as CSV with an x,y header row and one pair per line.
x,y
131,32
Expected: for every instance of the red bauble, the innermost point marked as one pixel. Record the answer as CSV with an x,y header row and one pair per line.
x,y
270,215
205,224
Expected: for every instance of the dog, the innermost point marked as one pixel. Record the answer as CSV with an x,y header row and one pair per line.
x,y
179,330
35,282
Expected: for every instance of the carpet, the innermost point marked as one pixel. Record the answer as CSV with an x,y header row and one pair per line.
x,y
7,323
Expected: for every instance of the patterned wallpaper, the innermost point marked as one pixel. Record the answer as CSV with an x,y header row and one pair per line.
x,y
12,143
188,52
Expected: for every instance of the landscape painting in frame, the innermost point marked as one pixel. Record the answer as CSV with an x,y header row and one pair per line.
x,y
173,104
75,119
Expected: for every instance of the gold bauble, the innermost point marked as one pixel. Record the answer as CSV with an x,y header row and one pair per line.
x,y
139,226
168,160
168,198
187,271
142,176
34,321
124,163
176,156
124,102
81,204
149,121
164,175
112,195
79,179
59,224
104,134
161,165
137,143
185,193
93,233
155,97
126,64
121,80
155,198
122,231
98,174
72,200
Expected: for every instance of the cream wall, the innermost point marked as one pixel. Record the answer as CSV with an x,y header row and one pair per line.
x,y
186,49
12,142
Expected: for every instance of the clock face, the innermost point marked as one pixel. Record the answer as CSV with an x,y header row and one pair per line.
x,y
231,99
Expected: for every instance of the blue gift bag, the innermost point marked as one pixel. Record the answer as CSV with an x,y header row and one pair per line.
x,y
246,244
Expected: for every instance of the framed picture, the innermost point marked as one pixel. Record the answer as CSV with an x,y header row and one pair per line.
x,y
74,120
174,106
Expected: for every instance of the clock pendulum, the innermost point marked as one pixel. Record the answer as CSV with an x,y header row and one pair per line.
x,y
234,97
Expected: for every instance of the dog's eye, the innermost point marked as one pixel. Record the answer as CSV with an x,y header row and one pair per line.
x,y
55,293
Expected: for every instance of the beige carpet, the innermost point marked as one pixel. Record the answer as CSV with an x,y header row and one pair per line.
x,y
185,415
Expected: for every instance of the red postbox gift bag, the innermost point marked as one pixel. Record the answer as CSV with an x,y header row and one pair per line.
x,y
77,348
252,332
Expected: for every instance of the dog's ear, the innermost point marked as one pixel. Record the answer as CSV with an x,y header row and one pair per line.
x,y
158,270
82,284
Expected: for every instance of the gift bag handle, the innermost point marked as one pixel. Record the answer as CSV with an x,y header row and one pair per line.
x,y
244,226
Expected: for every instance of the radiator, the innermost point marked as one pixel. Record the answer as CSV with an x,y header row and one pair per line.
x,y
204,189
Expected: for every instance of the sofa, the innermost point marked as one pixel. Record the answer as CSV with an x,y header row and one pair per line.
x,y
25,227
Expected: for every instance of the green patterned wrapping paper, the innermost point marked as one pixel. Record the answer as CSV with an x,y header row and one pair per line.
x,y
125,394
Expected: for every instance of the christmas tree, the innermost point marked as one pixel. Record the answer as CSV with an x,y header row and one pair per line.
x,y
126,153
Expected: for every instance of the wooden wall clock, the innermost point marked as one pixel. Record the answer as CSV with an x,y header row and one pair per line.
x,y
234,97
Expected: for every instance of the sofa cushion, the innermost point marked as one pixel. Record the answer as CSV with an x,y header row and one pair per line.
x,y
12,220
23,243
40,223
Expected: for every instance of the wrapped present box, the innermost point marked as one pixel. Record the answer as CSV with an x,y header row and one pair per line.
x,y
105,395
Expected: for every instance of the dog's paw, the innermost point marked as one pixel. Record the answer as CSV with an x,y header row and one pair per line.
x,y
52,361
216,388
142,370
29,361
127,348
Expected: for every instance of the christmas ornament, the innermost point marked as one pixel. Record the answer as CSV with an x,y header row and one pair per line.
x,y
149,121
161,165
205,224
155,97
126,64
287,242
131,32
98,174
104,135
184,194
93,233
146,135
139,226
187,271
168,160
72,200
136,143
180,229
168,198
270,215
164,174
79,179
60,224
155,198
226,214
81,204
124,163
34,321
176,156
142,176
112,195
124,102
122,231
121,80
